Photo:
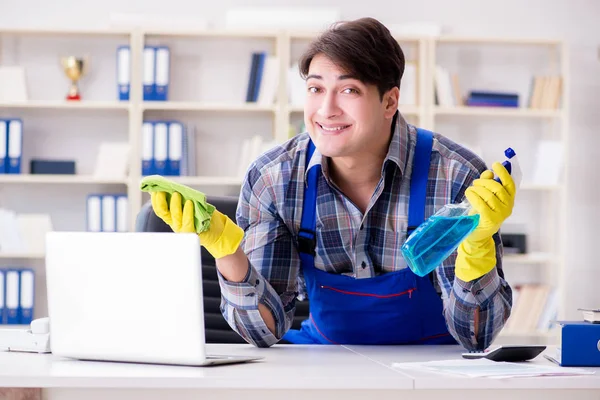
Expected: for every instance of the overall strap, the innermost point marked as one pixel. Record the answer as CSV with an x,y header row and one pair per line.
x,y
418,180
306,236
416,205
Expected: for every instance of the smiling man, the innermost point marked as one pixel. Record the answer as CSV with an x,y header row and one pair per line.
x,y
325,214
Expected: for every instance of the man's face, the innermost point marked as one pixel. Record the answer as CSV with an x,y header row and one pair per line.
x,y
344,116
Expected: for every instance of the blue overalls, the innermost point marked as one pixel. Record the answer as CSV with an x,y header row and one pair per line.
x,y
392,308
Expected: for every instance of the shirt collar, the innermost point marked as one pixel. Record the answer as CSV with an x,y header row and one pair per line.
x,y
397,150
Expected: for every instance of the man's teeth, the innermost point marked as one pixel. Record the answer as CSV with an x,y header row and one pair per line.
x,y
338,128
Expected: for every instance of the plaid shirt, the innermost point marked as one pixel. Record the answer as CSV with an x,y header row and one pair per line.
x,y
348,242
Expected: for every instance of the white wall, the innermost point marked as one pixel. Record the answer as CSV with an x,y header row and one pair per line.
x,y
575,21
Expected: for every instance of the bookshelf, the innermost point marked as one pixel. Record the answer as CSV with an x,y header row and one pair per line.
x,y
222,119
511,65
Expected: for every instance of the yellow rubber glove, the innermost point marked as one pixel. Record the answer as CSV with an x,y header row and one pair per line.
x,y
222,238
494,203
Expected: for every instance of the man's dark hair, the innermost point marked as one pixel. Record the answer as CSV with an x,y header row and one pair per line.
x,y
364,49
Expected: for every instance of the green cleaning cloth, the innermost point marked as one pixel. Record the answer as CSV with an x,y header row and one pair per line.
x,y
202,210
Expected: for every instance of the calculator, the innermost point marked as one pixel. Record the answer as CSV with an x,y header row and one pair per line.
x,y
510,353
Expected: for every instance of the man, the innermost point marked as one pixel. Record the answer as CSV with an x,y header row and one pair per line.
x,y
326,213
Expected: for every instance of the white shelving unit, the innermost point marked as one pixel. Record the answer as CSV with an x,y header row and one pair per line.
x,y
543,206
225,121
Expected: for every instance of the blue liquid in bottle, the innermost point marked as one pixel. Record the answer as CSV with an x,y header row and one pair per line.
x,y
435,240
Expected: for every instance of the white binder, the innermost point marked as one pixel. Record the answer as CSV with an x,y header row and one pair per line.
x,y
94,213
2,298
122,206
160,148
109,213
12,296
148,78
3,146
175,149
15,144
162,73
123,72
147,148
26,296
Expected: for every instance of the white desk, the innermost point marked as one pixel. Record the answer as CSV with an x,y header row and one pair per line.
x,y
287,372
431,385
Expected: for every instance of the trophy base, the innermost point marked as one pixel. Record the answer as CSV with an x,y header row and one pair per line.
x,y
74,97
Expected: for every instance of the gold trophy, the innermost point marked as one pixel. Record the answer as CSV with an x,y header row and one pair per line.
x,y
74,68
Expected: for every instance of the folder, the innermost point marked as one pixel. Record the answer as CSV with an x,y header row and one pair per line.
x,y
162,56
109,213
2,297
123,72
161,144
579,344
149,80
175,149
147,148
15,144
122,207
188,159
12,296
3,146
259,75
252,77
27,296
94,213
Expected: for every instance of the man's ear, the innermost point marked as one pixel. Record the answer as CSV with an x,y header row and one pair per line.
x,y
390,101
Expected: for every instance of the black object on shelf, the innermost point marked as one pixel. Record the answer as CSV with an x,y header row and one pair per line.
x,y
514,243
52,167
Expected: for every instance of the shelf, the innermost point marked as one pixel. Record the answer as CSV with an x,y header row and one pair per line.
x,y
405,110
58,179
498,41
64,32
199,106
535,187
11,326
216,33
530,258
208,180
496,112
409,110
69,105
310,35
21,255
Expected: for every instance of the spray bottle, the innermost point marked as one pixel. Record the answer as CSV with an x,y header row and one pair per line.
x,y
441,234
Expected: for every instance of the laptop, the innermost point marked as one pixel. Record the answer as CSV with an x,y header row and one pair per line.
x,y
128,296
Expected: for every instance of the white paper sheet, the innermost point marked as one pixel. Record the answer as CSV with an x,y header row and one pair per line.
x,y
490,369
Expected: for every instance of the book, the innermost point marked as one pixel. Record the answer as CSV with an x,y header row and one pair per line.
x,y
591,315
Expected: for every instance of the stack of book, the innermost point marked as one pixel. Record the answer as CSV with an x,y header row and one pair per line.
x,y
492,99
263,79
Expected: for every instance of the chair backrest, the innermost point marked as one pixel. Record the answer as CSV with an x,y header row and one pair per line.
x,y
217,328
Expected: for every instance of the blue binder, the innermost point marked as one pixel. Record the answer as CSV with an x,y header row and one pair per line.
x,y
2,297
579,344
93,213
161,147
3,146
147,148
149,75
259,75
162,71
26,296
15,146
175,148
123,72
12,292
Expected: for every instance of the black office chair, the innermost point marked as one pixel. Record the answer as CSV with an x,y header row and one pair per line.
x,y
216,328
